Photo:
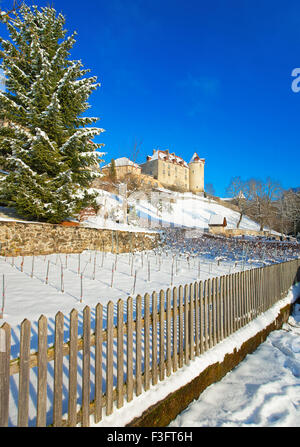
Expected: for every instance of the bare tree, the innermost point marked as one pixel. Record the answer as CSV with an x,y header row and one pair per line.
x,y
210,189
136,150
238,189
263,196
289,212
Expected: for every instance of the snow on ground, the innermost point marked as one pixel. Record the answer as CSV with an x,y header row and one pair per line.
x,y
29,294
262,391
149,214
174,210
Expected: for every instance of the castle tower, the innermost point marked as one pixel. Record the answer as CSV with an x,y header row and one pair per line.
x,y
196,174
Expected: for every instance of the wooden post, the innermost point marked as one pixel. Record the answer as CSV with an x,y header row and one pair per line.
x,y
58,369
191,321
206,315
98,362
210,327
23,403
72,403
5,342
186,325
181,320
120,352
175,330
169,345
154,339
42,372
109,358
161,335
138,360
214,311
197,340
129,349
222,320
86,367
147,342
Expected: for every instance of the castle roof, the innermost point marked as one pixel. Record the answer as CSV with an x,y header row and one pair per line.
x,y
123,161
196,159
166,156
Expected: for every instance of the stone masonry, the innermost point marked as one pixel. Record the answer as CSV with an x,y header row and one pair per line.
x,y
25,239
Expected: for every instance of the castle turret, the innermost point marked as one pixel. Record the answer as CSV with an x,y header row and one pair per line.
x,y
196,174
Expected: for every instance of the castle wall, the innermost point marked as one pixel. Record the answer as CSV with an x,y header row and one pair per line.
x,y
196,183
168,173
122,171
150,168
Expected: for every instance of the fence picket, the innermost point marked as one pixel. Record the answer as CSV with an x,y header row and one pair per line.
x,y
214,310
58,369
191,321
169,334
86,360
23,404
181,327
72,403
197,338
175,330
138,360
42,372
221,308
98,362
147,342
5,334
201,319
206,315
161,335
109,358
186,325
120,361
210,313
129,349
154,339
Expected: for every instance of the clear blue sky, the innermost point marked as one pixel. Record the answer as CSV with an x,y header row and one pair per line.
x,y
211,77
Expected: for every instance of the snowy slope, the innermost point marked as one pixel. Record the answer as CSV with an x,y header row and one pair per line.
x,y
176,210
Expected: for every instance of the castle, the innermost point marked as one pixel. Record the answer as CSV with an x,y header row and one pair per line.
x,y
163,168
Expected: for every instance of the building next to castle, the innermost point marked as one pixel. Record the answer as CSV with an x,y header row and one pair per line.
x,y
163,168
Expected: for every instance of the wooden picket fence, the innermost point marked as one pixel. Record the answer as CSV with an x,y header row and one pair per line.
x,y
133,345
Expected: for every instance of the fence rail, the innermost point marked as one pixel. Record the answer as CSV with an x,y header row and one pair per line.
x,y
119,350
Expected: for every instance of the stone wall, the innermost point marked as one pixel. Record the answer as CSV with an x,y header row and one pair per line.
x,y
230,232
19,238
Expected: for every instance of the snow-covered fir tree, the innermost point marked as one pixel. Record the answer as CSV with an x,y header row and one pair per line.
x,y
45,143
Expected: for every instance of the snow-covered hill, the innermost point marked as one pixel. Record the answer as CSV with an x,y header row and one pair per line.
x,y
168,209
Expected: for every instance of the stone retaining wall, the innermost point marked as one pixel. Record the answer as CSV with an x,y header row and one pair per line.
x,y
230,232
21,238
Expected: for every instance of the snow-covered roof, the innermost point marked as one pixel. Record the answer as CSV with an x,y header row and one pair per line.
x,y
167,156
196,159
216,219
123,161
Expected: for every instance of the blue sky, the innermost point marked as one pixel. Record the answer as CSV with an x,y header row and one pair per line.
x,y
211,77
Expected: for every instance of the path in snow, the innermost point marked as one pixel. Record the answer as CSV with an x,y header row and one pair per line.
x,y
262,391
